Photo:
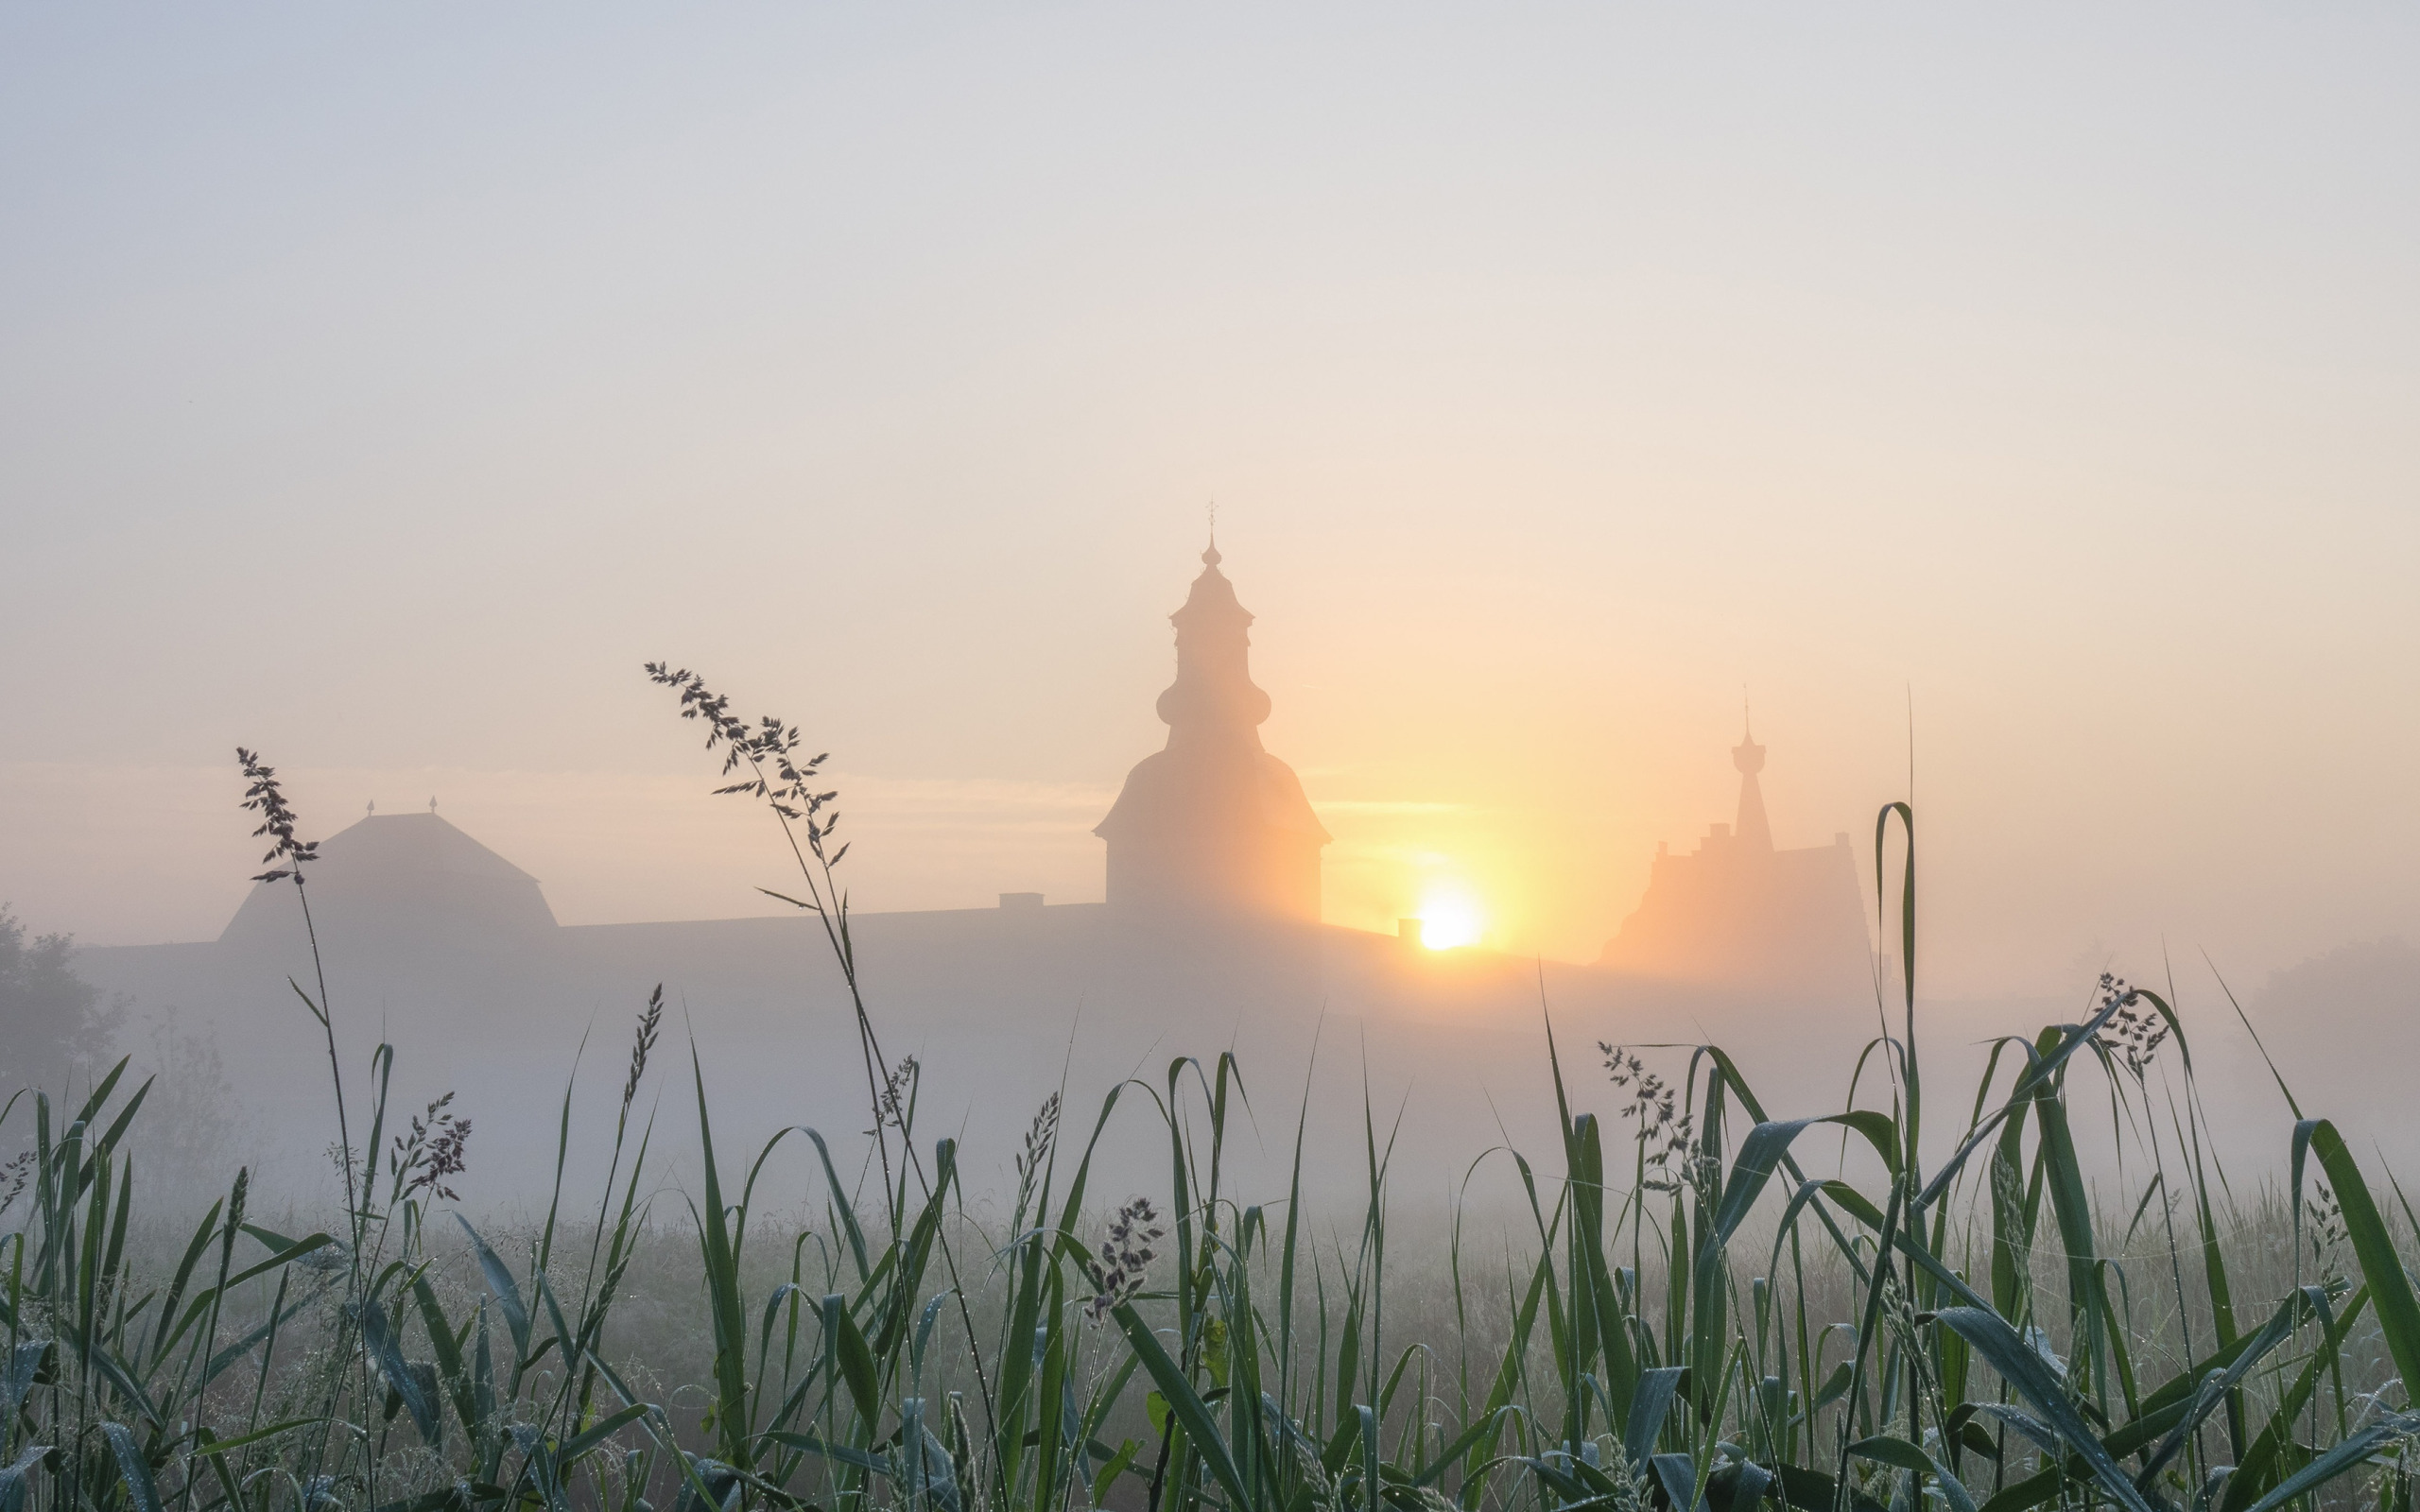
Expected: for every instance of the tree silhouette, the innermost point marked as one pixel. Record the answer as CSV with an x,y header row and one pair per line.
x,y
52,1022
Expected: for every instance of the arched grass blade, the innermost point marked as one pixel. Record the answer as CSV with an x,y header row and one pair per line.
x,y
1990,1336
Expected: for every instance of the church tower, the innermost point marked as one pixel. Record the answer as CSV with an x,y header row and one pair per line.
x,y
1214,824
1738,916
1753,831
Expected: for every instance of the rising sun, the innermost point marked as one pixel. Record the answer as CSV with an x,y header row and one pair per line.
x,y
1448,918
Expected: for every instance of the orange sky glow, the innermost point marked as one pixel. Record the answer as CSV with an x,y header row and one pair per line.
x,y
2016,417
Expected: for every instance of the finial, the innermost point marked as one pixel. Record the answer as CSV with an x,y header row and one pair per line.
x,y
1748,757
1211,557
373,805
432,803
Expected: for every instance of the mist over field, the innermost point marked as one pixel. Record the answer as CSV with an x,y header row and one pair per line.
x,y
1035,759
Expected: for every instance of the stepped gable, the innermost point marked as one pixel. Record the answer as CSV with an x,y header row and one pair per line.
x,y
401,878
1214,823
1739,914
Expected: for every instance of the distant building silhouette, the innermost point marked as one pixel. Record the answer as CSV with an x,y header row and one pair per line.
x,y
1214,824
409,880
1736,914
1209,939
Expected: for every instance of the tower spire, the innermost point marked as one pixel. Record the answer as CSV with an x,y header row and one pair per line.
x,y
1213,698
1213,822
1755,832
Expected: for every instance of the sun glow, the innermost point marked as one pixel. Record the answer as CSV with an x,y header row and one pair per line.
x,y
1449,917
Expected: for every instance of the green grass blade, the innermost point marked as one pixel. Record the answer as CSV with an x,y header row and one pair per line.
x,y
2390,1285
1990,1336
508,1291
1200,1428
131,1466
2344,1456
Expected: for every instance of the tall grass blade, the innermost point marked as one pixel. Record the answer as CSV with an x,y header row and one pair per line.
x,y
2390,1284
2022,1367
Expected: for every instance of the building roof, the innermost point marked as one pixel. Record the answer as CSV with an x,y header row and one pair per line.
x,y
394,874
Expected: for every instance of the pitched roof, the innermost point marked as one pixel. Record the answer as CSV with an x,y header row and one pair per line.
x,y
403,873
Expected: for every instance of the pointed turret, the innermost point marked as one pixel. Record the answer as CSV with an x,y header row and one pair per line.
x,y
1738,914
1753,831
1213,697
1214,823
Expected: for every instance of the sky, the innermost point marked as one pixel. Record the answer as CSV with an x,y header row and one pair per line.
x,y
2014,404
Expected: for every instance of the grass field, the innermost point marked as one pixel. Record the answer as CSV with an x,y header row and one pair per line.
x,y
1705,1306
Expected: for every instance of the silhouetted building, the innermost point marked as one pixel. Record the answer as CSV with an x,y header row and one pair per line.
x,y
1210,940
1737,914
1214,824
404,880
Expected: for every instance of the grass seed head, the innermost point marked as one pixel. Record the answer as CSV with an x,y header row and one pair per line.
x,y
643,1045
431,1153
1126,1256
1664,1130
784,780
14,1173
265,798
2135,1034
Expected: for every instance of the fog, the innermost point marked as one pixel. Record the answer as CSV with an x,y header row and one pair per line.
x,y
2011,412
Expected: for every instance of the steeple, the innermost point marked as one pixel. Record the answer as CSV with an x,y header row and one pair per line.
x,y
1212,823
1753,832
1213,697
1783,927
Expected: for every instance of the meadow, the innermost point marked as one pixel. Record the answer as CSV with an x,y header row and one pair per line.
x,y
1706,1307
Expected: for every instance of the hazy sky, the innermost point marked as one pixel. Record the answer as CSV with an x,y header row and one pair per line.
x,y
379,386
